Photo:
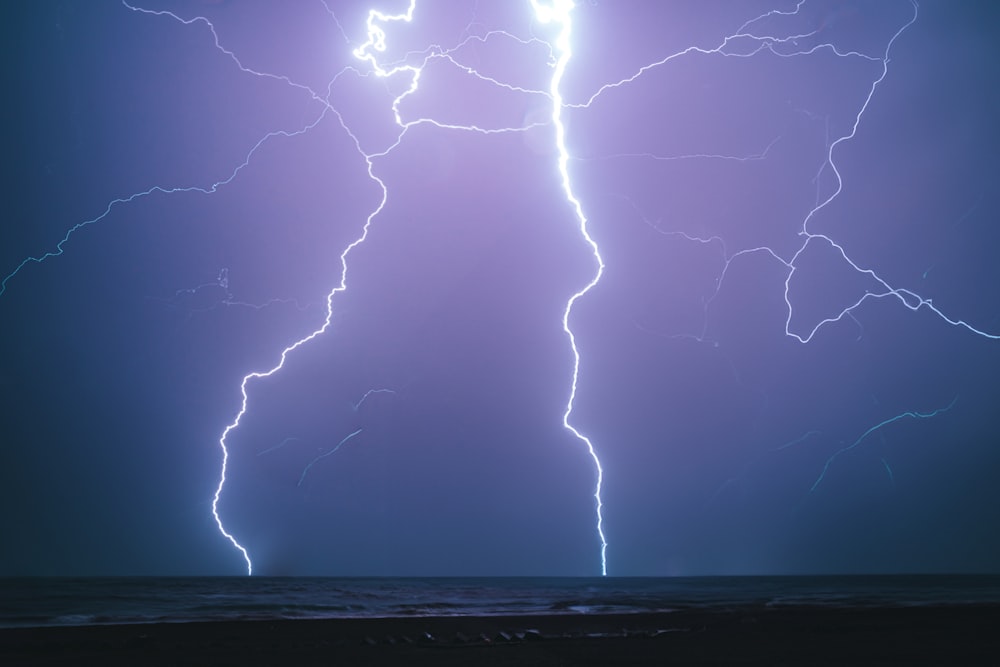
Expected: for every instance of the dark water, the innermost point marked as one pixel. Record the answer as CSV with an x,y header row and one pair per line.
x,y
83,601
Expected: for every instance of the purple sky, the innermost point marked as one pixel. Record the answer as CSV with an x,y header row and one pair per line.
x,y
753,411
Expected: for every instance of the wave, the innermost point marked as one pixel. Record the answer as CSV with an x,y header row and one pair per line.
x,y
126,600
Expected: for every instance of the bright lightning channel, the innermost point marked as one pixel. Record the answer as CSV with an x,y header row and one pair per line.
x,y
376,39
340,287
559,13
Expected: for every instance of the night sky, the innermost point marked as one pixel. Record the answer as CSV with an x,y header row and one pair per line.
x,y
788,366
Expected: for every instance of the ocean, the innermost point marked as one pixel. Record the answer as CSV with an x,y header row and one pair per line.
x,y
55,601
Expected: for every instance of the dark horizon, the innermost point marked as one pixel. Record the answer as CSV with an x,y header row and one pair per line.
x,y
788,365
540,577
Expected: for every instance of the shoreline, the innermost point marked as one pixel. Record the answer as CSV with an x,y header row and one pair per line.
x,y
939,634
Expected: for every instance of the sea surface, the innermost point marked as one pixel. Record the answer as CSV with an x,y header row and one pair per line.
x,y
42,601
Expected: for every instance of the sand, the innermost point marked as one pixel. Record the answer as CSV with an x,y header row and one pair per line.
x,y
966,634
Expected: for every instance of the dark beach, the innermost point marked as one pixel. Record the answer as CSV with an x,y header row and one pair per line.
x,y
952,634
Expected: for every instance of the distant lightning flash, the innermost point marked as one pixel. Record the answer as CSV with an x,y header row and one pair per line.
x,y
225,299
909,414
888,470
329,452
357,406
278,446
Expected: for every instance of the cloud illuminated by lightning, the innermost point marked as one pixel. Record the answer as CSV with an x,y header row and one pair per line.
x,y
745,42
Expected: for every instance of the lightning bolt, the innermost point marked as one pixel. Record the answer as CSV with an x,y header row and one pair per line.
x,y
746,42
559,13
877,428
368,53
